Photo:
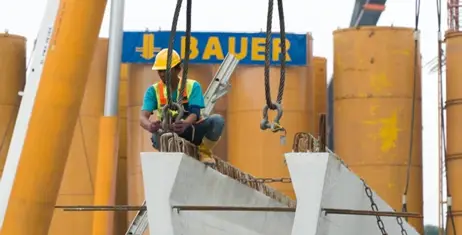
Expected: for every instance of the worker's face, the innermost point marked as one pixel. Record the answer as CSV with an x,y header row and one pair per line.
x,y
163,74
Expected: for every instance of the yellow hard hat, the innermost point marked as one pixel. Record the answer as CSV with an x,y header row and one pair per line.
x,y
160,62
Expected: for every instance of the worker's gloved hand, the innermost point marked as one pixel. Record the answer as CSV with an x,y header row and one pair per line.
x,y
155,126
180,126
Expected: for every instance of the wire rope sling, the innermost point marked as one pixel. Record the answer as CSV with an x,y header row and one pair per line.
x,y
265,124
176,106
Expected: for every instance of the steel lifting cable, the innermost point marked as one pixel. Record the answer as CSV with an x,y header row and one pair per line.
x,y
170,104
181,97
265,124
414,92
443,131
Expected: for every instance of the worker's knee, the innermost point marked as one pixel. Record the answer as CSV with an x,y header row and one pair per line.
x,y
216,123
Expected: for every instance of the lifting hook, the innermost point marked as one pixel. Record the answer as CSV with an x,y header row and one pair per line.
x,y
168,114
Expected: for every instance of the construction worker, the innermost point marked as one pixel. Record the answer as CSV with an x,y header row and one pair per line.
x,y
204,133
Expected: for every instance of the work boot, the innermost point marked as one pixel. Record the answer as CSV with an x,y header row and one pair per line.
x,y
205,152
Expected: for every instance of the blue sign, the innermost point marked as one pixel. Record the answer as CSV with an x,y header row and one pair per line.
x,y
211,48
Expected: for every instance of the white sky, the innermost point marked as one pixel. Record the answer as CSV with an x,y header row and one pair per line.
x,y
319,17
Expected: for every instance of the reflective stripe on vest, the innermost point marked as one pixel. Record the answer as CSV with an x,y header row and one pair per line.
x,y
161,94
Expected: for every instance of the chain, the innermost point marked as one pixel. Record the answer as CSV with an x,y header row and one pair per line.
x,y
267,180
400,223
374,207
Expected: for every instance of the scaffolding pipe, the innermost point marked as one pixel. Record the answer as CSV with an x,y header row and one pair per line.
x,y
111,105
327,211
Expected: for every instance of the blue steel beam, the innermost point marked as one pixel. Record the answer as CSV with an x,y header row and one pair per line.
x,y
366,17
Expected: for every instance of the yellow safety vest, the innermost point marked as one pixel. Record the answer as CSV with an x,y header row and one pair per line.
x,y
161,95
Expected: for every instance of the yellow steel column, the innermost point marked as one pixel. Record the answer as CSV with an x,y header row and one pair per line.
x,y
454,129
12,78
106,174
120,220
77,184
46,147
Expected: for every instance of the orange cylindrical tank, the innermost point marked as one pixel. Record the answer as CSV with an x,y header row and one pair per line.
x,y
79,175
320,90
120,223
374,71
454,127
257,152
12,78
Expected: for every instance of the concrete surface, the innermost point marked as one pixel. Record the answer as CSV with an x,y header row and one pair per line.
x,y
172,179
321,181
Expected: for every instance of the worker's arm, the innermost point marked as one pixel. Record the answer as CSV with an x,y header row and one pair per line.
x,y
149,106
196,103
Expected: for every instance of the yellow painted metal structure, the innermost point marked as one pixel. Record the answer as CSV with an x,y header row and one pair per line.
x,y
374,77
260,152
454,127
320,90
53,119
77,186
12,79
106,174
120,219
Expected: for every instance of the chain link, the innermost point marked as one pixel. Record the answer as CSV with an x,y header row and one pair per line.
x,y
374,207
400,223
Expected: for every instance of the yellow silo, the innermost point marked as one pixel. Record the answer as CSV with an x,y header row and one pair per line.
x,y
79,175
454,127
374,71
12,78
320,90
257,152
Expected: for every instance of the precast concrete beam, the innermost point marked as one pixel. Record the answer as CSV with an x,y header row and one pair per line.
x,y
175,179
320,181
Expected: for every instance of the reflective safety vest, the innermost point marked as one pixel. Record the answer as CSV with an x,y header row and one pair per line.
x,y
161,95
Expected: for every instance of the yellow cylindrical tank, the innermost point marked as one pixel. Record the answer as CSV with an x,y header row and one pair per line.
x,y
120,223
374,71
79,175
257,152
320,90
12,78
454,127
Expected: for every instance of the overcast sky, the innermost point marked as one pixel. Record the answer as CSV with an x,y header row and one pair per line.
x,y
319,17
